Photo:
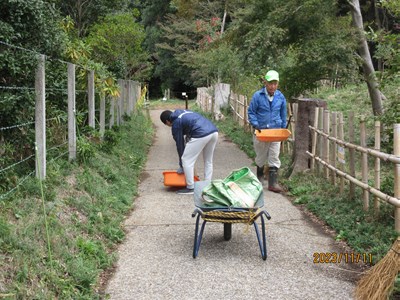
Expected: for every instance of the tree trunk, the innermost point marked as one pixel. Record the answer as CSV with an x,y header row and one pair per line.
x,y
302,142
368,68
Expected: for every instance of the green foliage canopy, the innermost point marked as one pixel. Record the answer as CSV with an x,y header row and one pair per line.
x,y
117,41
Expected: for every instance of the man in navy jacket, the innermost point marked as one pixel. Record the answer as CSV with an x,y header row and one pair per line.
x,y
267,110
193,134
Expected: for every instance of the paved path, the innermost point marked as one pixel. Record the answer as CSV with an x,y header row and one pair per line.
x,y
155,261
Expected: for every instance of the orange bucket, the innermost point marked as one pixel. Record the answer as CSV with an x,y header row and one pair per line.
x,y
172,178
273,135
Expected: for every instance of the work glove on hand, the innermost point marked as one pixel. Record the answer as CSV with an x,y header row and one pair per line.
x,y
180,170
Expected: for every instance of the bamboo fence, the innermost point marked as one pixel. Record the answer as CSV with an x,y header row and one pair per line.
x,y
336,158
328,150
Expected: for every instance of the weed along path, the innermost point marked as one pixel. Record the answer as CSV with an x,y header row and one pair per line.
x,y
156,262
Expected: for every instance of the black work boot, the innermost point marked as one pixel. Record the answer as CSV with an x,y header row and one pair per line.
x,y
273,185
260,174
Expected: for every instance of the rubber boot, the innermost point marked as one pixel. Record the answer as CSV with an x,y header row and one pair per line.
x,y
273,185
266,172
260,174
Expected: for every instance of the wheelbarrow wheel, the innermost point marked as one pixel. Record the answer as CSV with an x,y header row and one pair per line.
x,y
227,231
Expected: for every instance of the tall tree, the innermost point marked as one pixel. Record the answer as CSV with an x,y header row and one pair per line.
x,y
305,40
117,41
85,13
368,68
187,33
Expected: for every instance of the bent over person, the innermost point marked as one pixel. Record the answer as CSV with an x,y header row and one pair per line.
x,y
267,110
193,134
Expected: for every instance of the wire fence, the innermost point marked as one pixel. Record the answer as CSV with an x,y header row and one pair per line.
x,y
49,113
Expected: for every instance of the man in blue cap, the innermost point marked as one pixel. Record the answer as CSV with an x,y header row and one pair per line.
x,y
193,134
267,110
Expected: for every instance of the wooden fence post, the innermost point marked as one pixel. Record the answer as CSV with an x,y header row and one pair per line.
x,y
320,138
246,107
334,148
71,113
377,180
396,152
91,105
294,119
102,114
364,164
341,152
352,163
314,140
136,93
112,112
236,97
242,112
129,97
326,142
40,118
120,99
126,97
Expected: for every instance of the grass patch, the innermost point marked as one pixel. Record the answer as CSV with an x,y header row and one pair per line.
x,y
364,232
85,205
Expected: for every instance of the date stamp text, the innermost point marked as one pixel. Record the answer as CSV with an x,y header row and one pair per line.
x,y
339,257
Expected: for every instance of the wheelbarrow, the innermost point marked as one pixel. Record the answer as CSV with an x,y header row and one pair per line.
x,y
228,216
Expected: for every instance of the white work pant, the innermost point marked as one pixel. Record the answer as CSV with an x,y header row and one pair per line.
x,y
267,153
192,151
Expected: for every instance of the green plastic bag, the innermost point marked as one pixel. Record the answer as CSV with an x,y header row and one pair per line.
x,y
240,188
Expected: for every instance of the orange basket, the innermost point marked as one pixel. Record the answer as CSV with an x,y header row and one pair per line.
x,y
273,135
172,178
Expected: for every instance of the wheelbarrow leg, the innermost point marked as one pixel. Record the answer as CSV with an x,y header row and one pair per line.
x,y
198,236
262,243
227,231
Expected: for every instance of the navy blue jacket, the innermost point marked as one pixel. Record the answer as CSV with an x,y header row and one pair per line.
x,y
264,114
190,124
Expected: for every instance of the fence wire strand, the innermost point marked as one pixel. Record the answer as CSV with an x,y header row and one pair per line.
x,y
17,163
18,184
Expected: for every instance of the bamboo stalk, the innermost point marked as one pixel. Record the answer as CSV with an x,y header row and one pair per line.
x,y
341,165
377,177
396,151
333,152
364,164
326,141
320,137
391,200
314,139
294,119
352,161
384,156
